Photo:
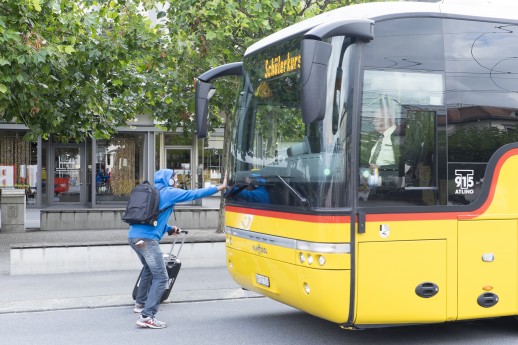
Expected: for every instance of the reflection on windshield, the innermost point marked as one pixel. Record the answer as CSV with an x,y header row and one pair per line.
x,y
276,155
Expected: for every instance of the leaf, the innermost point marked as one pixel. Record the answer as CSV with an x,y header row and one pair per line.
x,y
69,50
3,88
40,56
4,62
211,35
36,5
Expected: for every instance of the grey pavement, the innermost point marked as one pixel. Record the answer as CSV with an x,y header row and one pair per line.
x,y
34,237
36,293
43,292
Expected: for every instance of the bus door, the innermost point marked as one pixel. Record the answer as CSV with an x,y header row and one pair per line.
x,y
400,261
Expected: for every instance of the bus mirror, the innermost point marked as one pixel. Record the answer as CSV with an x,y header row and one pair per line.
x,y
359,28
315,56
204,92
313,77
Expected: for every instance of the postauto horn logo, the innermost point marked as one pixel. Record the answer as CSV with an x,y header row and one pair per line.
x,y
260,250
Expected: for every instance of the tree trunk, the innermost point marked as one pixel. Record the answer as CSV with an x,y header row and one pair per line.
x,y
226,167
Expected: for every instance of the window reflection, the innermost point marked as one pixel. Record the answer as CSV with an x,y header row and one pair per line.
x,y
300,165
482,98
119,166
398,140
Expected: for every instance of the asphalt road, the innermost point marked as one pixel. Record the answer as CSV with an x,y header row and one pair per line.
x,y
247,321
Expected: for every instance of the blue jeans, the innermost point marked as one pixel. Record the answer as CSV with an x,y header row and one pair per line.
x,y
154,275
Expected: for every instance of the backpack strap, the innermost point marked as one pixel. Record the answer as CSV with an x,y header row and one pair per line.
x,y
165,208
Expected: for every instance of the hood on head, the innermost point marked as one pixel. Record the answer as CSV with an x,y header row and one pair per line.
x,y
163,176
257,178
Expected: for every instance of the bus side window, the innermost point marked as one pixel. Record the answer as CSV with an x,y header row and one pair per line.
x,y
409,178
398,149
419,148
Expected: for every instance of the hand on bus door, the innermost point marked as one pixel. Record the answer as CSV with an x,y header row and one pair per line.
x,y
223,185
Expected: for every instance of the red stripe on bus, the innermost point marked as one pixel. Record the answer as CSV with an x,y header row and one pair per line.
x,y
450,215
289,216
389,216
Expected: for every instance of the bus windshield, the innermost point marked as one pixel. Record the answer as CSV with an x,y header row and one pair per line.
x,y
275,157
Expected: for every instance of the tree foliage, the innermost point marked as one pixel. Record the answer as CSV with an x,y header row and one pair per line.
x,y
78,69
214,32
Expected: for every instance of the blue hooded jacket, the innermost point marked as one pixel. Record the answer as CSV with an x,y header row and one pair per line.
x,y
257,194
169,196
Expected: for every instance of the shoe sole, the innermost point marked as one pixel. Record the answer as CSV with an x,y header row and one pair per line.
x,y
147,325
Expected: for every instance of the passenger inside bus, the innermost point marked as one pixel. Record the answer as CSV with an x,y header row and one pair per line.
x,y
386,151
385,164
255,191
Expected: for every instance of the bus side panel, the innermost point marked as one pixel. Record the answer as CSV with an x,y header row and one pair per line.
x,y
388,275
317,229
487,265
243,267
324,293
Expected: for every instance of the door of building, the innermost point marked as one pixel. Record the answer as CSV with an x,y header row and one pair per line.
x,y
69,174
179,159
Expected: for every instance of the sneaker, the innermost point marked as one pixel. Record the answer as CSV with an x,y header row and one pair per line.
x,y
138,308
150,322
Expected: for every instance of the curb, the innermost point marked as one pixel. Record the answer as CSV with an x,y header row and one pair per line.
x,y
43,305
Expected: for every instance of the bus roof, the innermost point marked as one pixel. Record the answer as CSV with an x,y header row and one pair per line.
x,y
497,9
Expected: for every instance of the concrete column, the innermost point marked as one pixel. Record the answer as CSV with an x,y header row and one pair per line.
x,y
13,210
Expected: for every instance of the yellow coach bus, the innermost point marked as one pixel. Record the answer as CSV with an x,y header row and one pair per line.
x,y
374,163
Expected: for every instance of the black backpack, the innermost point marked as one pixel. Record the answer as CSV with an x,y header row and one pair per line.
x,y
143,205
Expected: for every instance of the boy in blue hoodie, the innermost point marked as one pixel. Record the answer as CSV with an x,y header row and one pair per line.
x,y
144,239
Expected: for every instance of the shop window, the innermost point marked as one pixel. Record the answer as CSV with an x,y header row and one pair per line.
x,y
212,166
18,163
118,167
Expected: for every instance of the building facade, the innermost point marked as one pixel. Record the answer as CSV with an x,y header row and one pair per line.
x,y
102,173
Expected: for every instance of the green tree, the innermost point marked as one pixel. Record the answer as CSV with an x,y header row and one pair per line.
x,y
210,33
214,32
80,69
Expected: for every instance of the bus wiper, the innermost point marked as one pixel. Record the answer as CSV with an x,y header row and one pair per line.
x,y
304,201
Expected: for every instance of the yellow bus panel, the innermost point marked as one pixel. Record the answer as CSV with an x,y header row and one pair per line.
x,y
321,292
487,268
389,274
245,268
259,248
325,293
326,229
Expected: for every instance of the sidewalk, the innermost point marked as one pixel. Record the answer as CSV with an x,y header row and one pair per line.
x,y
203,275
32,293
41,252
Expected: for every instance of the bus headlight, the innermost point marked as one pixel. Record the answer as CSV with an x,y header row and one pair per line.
x,y
302,258
321,260
306,288
310,259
